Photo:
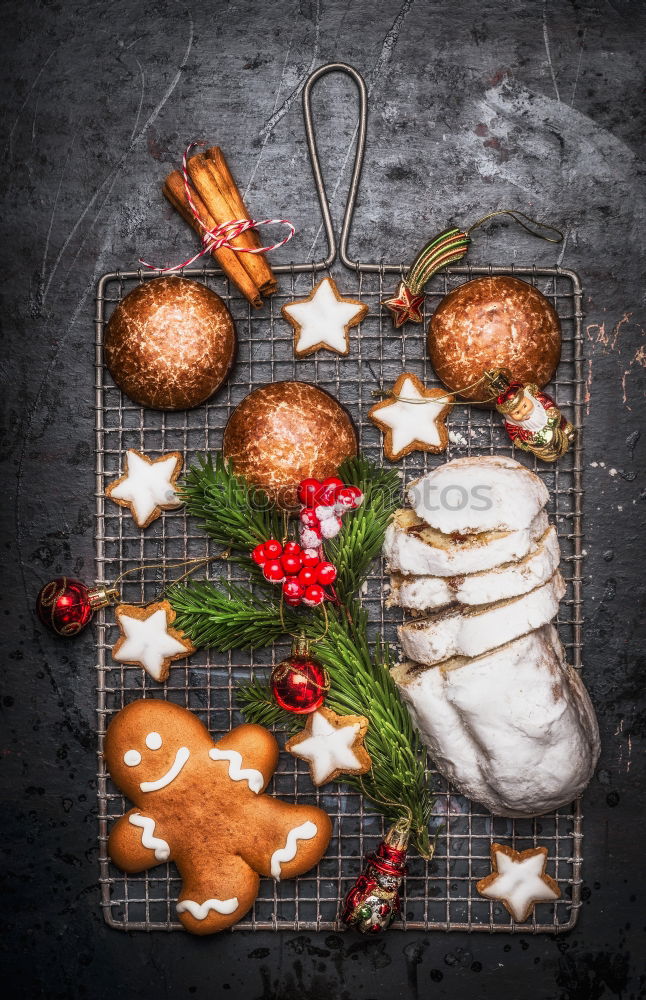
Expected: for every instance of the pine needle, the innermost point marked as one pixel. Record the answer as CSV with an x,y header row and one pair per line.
x,y
233,514
360,540
228,617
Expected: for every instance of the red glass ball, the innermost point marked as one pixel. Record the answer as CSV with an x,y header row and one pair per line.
x,y
308,490
325,573
63,606
299,684
310,557
292,564
291,549
273,549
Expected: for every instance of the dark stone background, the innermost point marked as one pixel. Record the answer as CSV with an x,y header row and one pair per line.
x,y
474,105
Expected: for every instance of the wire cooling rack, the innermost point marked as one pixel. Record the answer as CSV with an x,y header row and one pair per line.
x,y
439,894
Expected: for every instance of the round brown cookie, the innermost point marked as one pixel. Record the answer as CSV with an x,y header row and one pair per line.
x,y
496,322
170,343
285,432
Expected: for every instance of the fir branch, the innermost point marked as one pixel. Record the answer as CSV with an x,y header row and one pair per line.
x,y
227,616
234,514
361,538
258,705
361,685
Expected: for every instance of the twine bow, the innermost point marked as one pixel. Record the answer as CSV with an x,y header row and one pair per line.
x,y
222,235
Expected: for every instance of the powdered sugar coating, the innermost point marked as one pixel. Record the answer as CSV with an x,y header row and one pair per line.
x,y
478,493
470,631
426,593
411,548
513,729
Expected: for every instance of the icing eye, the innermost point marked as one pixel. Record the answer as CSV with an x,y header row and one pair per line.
x,y
153,741
132,758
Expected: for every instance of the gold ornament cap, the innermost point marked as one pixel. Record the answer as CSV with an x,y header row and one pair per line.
x,y
102,596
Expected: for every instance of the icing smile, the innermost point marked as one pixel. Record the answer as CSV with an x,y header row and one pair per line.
x,y
181,757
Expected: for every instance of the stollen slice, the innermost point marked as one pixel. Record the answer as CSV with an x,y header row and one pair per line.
x,y
469,630
414,548
478,493
419,594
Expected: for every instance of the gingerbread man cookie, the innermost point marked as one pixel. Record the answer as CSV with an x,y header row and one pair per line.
x,y
200,804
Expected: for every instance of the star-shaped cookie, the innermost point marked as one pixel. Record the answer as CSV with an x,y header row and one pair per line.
x,y
148,485
322,321
412,418
518,880
332,744
148,639
405,306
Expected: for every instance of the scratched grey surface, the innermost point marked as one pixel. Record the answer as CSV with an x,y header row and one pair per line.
x,y
473,106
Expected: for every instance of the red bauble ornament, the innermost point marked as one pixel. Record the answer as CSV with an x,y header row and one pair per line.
x,y
291,549
66,606
310,557
273,571
299,683
273,549
313,596
325,573
308,491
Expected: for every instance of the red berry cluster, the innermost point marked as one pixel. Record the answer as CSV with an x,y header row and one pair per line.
x,y
302,572
324,504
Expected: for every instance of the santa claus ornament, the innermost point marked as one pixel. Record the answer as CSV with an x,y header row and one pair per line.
x,y
532,419
374,901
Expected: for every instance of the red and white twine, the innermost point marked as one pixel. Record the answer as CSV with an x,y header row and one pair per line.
x,y
224,234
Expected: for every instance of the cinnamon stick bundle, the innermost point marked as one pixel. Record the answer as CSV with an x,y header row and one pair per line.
x,y
227,186
228,260
218,200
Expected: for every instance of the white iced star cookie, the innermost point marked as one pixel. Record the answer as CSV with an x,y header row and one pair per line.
x,y
332,744
323,320
148,485
518,880
412,418
148,639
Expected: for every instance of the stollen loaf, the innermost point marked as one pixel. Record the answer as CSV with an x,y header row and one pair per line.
x,y
513,729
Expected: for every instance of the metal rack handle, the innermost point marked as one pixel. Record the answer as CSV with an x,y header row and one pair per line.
x,y
337,67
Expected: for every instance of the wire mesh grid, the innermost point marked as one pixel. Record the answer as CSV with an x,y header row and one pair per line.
x,y
439,894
